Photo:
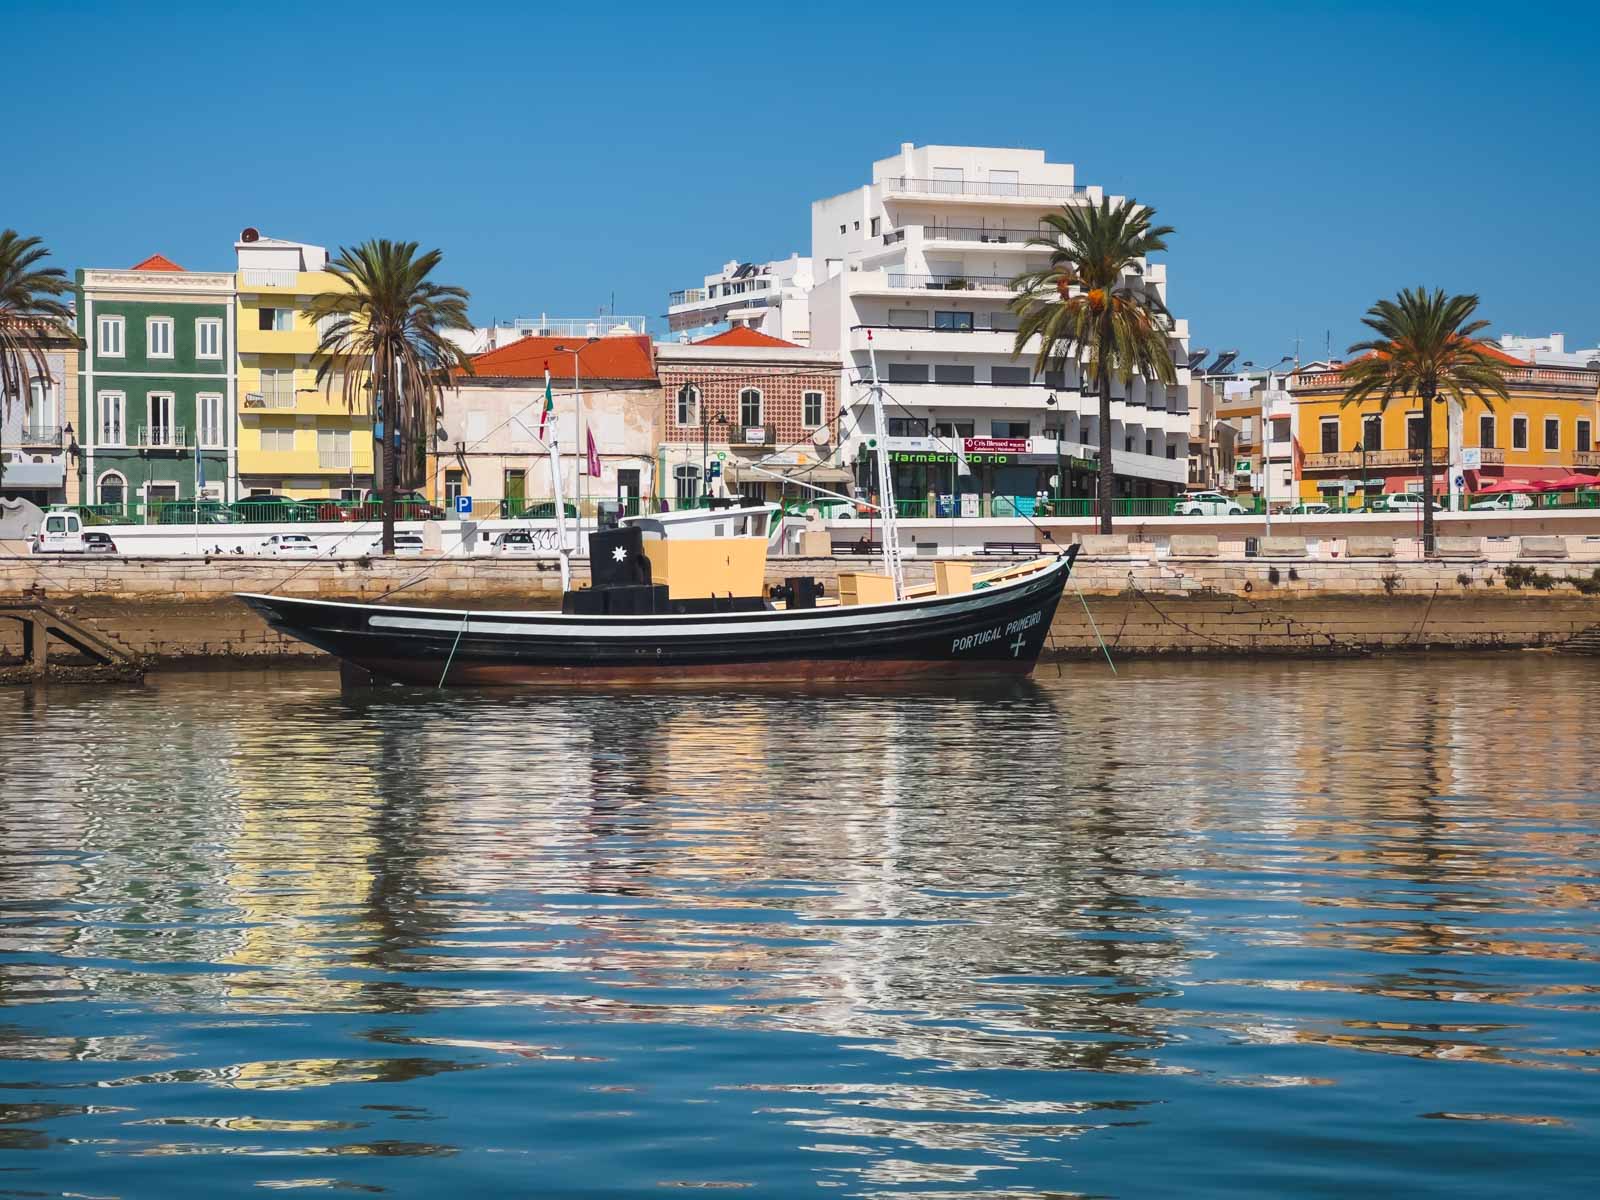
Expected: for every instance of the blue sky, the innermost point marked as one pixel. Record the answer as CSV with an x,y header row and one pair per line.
x,y
1311,158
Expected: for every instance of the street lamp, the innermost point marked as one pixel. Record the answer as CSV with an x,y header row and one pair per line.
x,y
705,441
1266,438
1361,448
1050,401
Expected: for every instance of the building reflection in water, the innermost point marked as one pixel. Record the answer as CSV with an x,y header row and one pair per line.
x,y
1083,874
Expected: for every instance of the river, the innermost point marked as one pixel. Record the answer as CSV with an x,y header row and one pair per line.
x,y
1199,929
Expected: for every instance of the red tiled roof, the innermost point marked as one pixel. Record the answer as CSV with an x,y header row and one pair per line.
x,y
1488,351
156,262
743,335
604,358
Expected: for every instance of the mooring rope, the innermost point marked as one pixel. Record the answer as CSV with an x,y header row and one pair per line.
x,y
445,674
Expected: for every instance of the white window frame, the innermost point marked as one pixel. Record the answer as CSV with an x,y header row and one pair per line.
x,y
40,413
334,449
1550,422
102,326
217,437
1494,431
112,401
761,407
822,410
1522,420
691,408
99,485
1322,435
150,399
1584,433
274,397
202,327
151,324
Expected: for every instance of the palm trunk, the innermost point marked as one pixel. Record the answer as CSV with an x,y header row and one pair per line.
x,y
390,413
1427,471
1107,474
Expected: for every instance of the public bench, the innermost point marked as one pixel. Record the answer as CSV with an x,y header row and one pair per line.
x,y
858,546
1030,548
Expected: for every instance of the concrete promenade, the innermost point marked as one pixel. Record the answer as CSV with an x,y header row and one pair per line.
x,y
1143,601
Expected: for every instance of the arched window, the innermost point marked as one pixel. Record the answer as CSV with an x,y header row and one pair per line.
x,y
688,481
111,489
688,405
750,407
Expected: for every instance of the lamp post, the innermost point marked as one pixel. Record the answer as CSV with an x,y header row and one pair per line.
x,y
1266,438
705,442
1051,401
1361,448
74,453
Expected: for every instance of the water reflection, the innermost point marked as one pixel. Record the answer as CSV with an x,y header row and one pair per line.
x,y
978,943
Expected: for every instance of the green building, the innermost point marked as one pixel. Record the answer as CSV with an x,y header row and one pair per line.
x,y
158,394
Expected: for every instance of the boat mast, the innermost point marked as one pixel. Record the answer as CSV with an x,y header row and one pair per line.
x,y
886,506
555,484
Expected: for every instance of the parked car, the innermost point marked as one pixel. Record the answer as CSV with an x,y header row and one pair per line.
x,y
267,508
1309,510
282,545
325,508
1504,502
514,543
1401,502
61,533
1206,504
184,512
98,543
406,545
409,506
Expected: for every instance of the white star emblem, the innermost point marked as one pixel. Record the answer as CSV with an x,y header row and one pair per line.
x,y
618,554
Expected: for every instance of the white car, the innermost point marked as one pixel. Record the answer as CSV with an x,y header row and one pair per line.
x,y
1506,501
61,533
1206,504
1400,502
515,543
406,545
284,545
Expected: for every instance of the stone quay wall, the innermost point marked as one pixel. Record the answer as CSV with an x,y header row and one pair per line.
x,y
182,610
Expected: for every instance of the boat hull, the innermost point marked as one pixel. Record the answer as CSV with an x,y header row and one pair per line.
x,y
998,630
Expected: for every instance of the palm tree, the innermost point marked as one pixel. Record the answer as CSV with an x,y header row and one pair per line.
x,y
30,315
1089,306
1426,348
385,333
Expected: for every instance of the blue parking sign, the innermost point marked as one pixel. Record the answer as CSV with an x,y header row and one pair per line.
x,y
464,505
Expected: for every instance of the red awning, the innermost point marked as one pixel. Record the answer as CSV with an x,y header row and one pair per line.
x,y
1501,486
1570,483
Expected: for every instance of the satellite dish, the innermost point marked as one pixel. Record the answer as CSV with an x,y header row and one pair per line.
x,y
820,436
250,234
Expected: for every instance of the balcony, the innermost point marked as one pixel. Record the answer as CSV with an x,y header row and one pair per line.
x,y
951,283
266,400
265,277
1344,460
161,437
1583,458
752,435
957,188
685,296
48,436
334,460
985,236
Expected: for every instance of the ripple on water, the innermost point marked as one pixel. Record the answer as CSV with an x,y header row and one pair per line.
x,y
1056,939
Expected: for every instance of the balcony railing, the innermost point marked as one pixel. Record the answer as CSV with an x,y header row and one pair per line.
x,y
333,460
1584,458
752,435
973,233
278,398
1345,459
41,435
976,187
162,437
951,283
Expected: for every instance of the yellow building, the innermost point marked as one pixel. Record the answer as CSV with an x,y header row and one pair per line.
x,y
1351,454
296,438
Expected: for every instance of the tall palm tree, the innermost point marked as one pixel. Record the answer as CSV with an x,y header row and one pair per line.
x,y
1090,307
385,333
1426,348
30,315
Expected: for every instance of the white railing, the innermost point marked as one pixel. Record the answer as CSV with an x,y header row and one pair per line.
x,y
162,437
333,460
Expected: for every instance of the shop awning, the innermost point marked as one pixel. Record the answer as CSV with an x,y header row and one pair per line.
x,y
32,475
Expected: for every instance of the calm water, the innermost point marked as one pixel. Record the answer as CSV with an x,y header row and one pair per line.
x,y
1200,930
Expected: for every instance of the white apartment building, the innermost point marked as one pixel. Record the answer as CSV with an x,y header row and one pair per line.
x,y
768,297
491,337
1548,351
920,261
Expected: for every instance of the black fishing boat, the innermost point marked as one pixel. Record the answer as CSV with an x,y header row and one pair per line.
x,y
680,598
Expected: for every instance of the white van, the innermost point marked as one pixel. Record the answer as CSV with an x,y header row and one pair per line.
x,y
61,533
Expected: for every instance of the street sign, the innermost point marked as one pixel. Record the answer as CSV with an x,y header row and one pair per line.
x,y
1472,457
464,505
1461,481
